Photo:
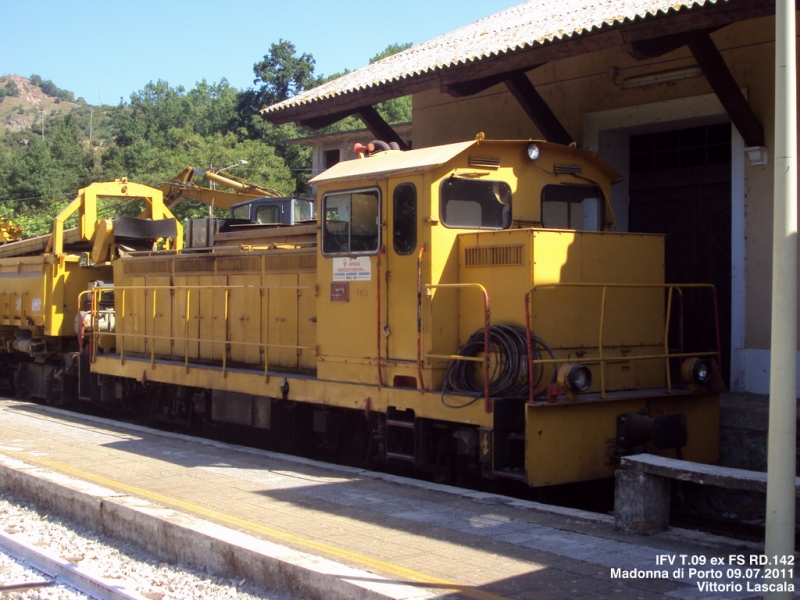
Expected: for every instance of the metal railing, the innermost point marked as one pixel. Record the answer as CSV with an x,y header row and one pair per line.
x,y
189,291
487,403
603,360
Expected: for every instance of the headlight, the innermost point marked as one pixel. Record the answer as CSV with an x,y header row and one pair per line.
x,y
574,378
533,151
696,371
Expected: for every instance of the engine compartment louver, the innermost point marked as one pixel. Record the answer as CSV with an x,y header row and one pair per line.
x,y
493,256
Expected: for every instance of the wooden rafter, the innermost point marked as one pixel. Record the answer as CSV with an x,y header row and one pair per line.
x,y
653,48
463,89
321,121
725,87
537,109
525,93
368,115
379,128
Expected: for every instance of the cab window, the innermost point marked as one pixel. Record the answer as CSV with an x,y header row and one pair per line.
x,y
241,212
303,210
475,204
352,222
577,207
404,218
268,214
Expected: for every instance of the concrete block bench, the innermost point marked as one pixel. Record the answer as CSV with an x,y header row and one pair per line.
x,y
642,488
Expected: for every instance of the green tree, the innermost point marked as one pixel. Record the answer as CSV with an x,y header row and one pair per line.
x,y
389,51
28,178
10,89
152,112
51,89
396,110
73,164
282,74
38,177
214,107
279,75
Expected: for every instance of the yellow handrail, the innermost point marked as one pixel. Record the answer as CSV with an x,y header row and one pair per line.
x,y
601,359
487,403
120,335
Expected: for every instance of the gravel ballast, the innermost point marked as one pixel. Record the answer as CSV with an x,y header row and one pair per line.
x,y
121,563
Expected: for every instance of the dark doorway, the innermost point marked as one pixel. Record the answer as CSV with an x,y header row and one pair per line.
x,y
680,185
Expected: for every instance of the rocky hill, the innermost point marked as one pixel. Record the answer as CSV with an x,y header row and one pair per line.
x,y
25,109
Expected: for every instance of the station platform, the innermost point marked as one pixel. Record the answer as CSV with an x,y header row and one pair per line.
x,y
326,531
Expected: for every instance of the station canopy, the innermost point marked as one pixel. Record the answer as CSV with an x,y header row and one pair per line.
x,y
501,48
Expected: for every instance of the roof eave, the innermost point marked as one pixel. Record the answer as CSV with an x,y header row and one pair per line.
x,y
605,35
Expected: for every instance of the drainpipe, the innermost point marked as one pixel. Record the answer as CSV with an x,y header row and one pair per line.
x,y
783,367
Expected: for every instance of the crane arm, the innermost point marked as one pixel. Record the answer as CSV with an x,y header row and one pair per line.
x,y
181,186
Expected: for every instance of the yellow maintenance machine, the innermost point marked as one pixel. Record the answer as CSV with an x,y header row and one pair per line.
x,y
465,307
182,186
9,231
45,279
249,204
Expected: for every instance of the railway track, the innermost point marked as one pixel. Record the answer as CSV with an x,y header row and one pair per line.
x,y
58,572
43,556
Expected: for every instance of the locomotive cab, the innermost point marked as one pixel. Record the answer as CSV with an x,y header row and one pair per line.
x,y
422,252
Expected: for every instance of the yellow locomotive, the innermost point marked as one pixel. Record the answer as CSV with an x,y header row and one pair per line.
x,y
467,306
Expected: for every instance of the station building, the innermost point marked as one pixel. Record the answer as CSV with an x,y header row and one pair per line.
x,y
678,97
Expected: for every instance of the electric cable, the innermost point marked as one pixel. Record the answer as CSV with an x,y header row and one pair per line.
x,y
508,366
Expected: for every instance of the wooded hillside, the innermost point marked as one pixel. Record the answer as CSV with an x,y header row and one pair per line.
x,y
52,144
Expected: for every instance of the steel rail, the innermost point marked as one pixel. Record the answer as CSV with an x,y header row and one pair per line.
x,y
64,572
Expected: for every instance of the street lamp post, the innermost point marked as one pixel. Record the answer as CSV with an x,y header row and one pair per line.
x,y
239,163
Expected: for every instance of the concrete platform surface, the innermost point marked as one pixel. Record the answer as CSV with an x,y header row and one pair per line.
x,y
322,531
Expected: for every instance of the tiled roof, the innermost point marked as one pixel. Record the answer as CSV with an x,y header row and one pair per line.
x,y
525,25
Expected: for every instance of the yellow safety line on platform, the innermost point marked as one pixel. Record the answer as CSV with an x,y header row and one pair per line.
x,y
386,567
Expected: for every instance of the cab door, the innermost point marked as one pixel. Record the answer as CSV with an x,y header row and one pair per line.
x,y
402,249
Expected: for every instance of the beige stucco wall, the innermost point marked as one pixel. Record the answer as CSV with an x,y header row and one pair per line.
x,y
576,86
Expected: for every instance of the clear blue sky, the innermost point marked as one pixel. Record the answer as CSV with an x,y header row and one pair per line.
x,y
104,50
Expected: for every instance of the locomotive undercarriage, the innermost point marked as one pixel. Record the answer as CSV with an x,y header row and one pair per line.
x,y
444,452
390,437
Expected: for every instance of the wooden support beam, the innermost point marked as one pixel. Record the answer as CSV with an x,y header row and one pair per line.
x,y
537,109
653,48
374,122
726,89
470,87
379,128
324,120
647,49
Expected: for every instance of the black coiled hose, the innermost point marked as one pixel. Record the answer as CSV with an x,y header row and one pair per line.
x,y
508,366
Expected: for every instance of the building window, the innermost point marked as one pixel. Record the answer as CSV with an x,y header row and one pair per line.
x,y
475,204
577,207
352,222
404,217
694,147
331,158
